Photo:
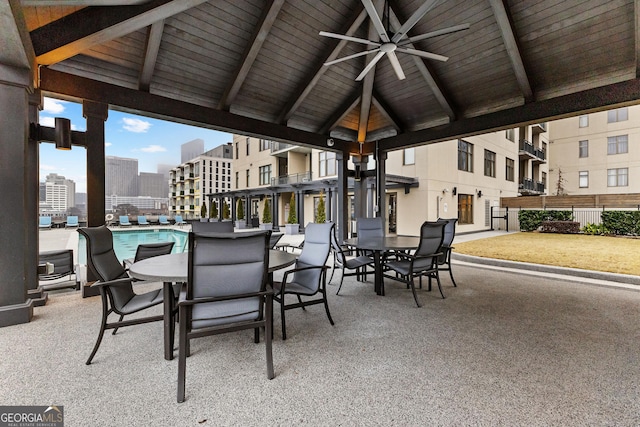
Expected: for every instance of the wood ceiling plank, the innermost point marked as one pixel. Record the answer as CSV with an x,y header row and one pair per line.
x,y
87,27
152,46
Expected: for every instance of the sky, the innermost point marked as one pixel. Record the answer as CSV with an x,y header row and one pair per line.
x,y
151,141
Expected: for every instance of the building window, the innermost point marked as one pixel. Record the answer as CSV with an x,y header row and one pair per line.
x,y
618,177
409,156
265,144
328,165
465,209
247,178
583,121
511,135
617,115
237,150
237,179
510,170
583,179
465,156
583,148
248,143
265,175
618,144
489,163
544,180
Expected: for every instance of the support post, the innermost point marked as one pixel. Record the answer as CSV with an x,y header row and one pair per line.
x,y
342,205
381,185
96,114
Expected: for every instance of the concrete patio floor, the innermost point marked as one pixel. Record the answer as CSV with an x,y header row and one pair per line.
x,y
503,348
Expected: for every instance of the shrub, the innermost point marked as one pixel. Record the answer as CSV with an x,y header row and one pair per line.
x,y
560,227
203,210
240,212
292,219
266,212
226,212
530,220
321,216
595,229
213,212
622,223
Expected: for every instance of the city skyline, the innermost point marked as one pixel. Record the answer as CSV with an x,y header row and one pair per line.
x,y
151,141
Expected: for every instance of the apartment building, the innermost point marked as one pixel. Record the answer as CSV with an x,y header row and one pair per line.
x,y
461,178
597,153
210,172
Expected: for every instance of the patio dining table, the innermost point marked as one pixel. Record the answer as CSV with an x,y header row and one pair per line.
x,y
378,245
173,268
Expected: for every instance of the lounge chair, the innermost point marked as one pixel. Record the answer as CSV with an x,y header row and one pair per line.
x,y
72,221
162,219
179,220
124,221
45,222
142,220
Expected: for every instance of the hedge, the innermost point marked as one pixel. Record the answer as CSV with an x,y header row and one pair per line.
x,y
531,220
623,223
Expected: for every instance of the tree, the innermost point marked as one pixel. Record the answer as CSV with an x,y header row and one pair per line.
x,y
266,212
203,210
292,219
560,191
226,213
213,212
321,216
240,213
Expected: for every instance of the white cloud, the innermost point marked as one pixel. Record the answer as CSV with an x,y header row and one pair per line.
x,y
107,144
153,149
53,106
48,167
51,122
135,125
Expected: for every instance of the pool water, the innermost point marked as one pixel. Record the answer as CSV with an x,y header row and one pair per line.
x,y
125,242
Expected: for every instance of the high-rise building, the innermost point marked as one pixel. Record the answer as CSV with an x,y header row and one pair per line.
x,y
51,193
153,185
191,150
121,176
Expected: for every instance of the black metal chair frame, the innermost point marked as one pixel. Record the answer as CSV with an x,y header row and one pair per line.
x,y
149,250
445,259
343,262
107,285
430,270
62,261
322,289
186,304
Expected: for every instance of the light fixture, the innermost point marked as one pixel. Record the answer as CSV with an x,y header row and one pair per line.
x,y
330,142
479,193
63,133
454,191
445,191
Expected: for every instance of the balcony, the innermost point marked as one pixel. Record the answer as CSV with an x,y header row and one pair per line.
x,y
530,187
528,152
295,178
539,127
280,149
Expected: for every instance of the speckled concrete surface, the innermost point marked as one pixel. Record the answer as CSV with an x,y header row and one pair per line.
x,y
501,349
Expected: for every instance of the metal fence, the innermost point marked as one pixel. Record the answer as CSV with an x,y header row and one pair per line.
x,y
507,219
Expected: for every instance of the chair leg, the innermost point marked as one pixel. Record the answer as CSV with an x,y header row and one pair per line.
x,y
300,301
103,324
182,358
326,306
333,270
119,320
413,289
451,274
282,321
439,286
268,333
341,280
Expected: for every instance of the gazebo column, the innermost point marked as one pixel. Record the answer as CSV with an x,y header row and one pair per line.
x,y
380,200
275,214
96,114
342,205
18,251
360,185
300,209
233,209
329,204
32,180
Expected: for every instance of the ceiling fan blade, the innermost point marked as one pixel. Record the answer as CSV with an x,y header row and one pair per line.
x,y
423,54
344,58
435,34
413,20
349,38
375,20
396,65
369,66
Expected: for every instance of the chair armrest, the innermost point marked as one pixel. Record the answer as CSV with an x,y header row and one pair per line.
x,y
115,282
185,302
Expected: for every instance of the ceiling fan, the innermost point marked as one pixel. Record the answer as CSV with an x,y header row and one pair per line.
x,y
393,42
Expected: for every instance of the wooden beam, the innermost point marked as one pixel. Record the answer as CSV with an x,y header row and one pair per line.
x,y
636,33
388,112
444,100
505,24
16,50
350,103
154,37
367,89
37,3
307,85
178,111
269,15
74,33
588,101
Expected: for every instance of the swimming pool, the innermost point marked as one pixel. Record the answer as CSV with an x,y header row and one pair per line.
x,y
125,242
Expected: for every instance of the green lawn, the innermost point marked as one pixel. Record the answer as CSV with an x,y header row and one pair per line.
x,y
600,253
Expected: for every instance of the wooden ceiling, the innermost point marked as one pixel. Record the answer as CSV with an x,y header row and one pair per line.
x,y
255,67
